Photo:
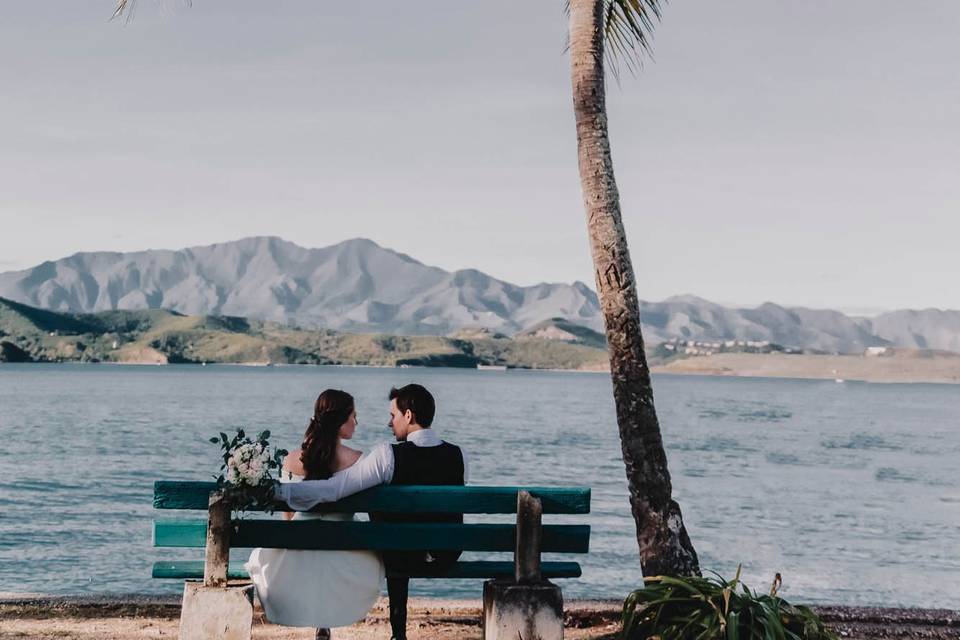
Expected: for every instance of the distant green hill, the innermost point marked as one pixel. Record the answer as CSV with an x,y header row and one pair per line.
x,y
157,336
565,331
16,317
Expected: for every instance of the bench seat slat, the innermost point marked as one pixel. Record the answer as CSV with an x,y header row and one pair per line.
x,y
377,536
401,499
193,569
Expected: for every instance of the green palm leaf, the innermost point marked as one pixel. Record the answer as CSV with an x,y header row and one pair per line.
x,y
627,30
123,7
126,7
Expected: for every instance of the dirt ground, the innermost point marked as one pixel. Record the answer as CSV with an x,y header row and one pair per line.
x,y
140,618
78,619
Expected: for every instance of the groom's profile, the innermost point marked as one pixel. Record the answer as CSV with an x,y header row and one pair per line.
x,y
419,457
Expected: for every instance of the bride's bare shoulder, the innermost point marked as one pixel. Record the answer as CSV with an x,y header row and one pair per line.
x,y
293,463
346,456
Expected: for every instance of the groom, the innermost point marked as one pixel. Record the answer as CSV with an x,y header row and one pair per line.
x,y
418,457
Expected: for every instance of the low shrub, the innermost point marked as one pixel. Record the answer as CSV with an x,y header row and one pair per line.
x,y
711,608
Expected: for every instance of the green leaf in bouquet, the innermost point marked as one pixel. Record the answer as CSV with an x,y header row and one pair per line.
x,y
240,493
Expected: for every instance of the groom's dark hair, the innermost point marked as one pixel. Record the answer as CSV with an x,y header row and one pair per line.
x,y
418,400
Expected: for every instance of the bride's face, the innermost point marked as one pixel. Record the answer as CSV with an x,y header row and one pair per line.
x,y
348,427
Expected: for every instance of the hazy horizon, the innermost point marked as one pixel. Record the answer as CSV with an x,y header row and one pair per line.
x,y
803,154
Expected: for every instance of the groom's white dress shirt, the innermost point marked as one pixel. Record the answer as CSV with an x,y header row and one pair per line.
x,y
372,469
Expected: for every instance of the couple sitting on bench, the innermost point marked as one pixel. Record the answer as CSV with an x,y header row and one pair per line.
x,y
326,589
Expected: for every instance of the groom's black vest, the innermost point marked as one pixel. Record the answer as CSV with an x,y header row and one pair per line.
x,y
439,465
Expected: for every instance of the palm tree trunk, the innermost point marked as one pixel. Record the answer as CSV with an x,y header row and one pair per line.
x,y
665,547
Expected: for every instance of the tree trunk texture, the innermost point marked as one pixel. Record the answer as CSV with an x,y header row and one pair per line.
x,y
665,547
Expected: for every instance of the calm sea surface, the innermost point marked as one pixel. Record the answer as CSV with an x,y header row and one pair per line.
x,y
851,491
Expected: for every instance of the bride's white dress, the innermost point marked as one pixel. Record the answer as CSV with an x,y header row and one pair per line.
x,y
315,588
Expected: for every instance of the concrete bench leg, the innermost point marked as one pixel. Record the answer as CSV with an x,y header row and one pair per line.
x,y
514,611
216,613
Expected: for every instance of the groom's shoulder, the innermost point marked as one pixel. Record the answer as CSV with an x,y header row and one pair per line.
x,y
454,446
381,448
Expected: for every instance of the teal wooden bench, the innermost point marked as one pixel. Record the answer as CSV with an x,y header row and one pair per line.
x,y
526,539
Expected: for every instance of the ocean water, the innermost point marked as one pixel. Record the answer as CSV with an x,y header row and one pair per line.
x,y
851,491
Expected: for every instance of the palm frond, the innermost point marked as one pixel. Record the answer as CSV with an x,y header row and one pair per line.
x,y
123,6
628,28
128,7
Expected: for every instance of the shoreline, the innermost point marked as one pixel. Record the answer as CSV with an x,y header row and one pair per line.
x,y
111,617
903,369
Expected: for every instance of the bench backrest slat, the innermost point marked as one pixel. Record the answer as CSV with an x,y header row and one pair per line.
x,y
193,569
401,499
376,536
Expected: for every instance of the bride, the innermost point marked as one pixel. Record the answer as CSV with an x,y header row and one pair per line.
x,y
318,588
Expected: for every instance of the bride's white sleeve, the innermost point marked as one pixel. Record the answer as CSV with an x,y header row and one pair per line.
x,y
372,469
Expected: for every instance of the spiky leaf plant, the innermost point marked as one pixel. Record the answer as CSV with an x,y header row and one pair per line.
x,y
695,608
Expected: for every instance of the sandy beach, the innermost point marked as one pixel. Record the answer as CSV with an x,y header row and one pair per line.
x,y
902,366
136,618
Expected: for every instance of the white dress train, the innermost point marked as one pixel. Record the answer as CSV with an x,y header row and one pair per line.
x,y
315,588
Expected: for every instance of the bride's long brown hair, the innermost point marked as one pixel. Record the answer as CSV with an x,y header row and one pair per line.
x,y
332,408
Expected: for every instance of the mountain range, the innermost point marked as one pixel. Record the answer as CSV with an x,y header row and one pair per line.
x,y
361,287
693,318
354,286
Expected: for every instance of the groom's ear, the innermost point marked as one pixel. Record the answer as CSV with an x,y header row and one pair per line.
x,y
408,416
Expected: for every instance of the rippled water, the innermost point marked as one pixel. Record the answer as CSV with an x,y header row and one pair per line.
x,y
851,490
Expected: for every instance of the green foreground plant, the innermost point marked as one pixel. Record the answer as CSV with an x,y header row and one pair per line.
x,y
695,608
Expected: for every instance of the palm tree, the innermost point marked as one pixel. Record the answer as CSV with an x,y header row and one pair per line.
x,y
623,25
665,547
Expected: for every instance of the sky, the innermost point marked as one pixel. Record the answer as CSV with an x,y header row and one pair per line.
x,y
804,153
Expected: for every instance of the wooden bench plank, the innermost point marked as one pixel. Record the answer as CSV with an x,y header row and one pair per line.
x,y
193,569
377,536
402,499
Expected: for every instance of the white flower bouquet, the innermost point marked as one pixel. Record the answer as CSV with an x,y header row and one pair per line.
x,y
246,474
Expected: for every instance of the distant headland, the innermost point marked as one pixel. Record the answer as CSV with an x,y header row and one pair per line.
x,y
28,334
